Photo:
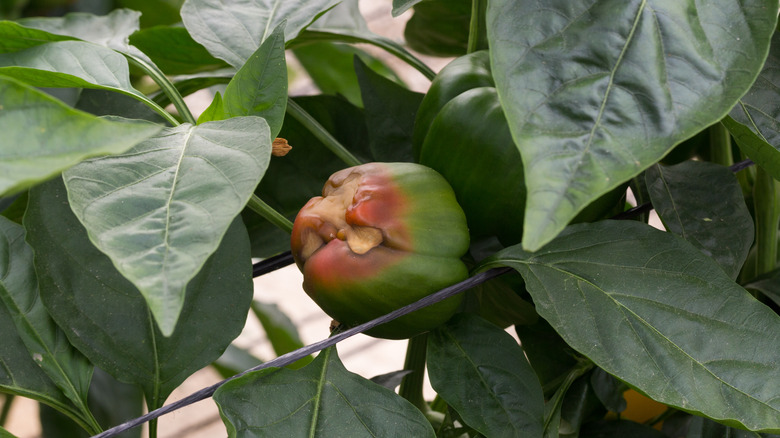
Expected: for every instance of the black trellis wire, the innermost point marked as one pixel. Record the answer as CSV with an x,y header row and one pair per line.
x,y
277,262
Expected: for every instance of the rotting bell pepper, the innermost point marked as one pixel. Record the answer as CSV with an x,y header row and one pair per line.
x,y
381,236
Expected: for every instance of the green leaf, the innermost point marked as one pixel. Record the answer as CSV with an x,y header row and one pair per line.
x,y
174,51
280,330
481,372
232,30
755,120
595,91
550,357
70,64
54,136
323,399
107,319
441,28
154,12
703,203
390,111
111,30
47,346
332,67
651,309
619,428
180,190
260,86
15,37
6,434
235,360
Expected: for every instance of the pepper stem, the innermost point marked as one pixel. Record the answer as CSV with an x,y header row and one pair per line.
x,y
412,384
260,207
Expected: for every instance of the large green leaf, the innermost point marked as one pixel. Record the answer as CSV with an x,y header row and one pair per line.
x,y
280,330
703,203
70,64
595,91
481,372
106,318
651,309
42,136
233,29
47,345
758,112
260,86
180,190
322,399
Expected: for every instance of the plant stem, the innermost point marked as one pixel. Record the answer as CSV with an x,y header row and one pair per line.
x,y
767,213
321,133
412,384
260,207
7,402
720,145
473,42
388,45
167,87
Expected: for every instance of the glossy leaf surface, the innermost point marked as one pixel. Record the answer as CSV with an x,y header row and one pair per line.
x,y
180,190
651,309
322,399
111,30
47,345
595,91
232,30
702,203
107,319
53,135
481,372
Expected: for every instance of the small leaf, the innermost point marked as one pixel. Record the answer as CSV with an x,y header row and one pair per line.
x,y
232,30
6,434
481,372
47,345
235,360
401,6
768,284
107,319
260,86
715,221
587,117
652,310
390,111
322,399
180,190
54,136
392,379
441,27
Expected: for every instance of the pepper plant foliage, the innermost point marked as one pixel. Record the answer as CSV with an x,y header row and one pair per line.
x,y
128,225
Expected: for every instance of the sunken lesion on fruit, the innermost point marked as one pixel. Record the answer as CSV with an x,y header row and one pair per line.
x,y
328,220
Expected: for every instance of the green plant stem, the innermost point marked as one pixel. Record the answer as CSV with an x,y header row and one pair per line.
x,y
8,400
412,383
260,207
388,45
720,145
473,41
321,133
167,87
767,213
